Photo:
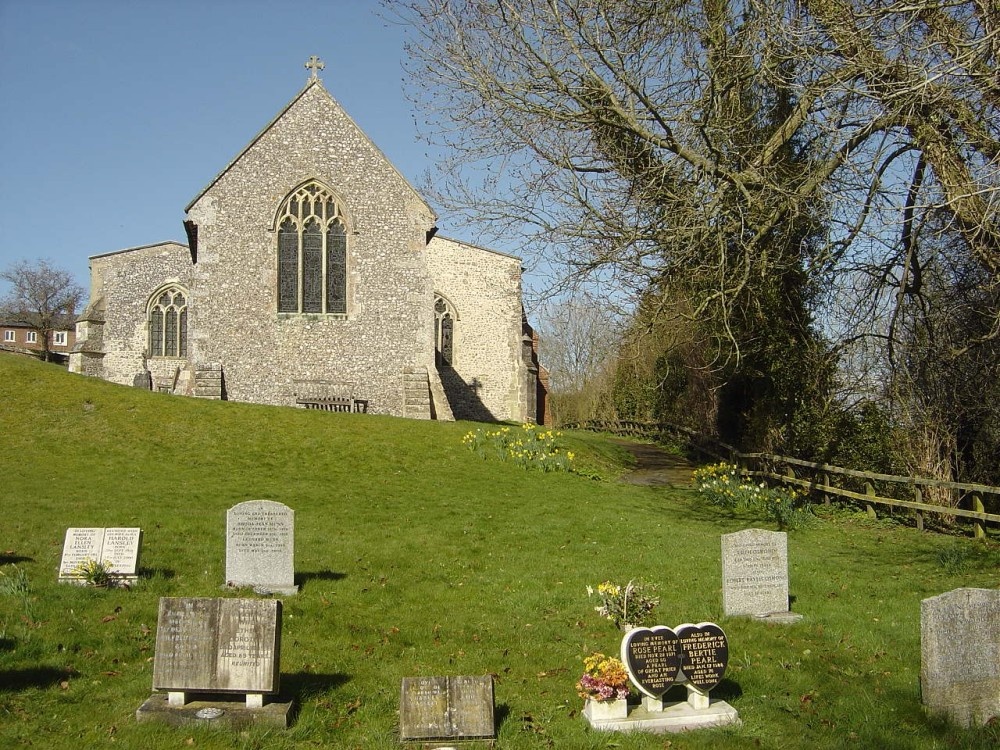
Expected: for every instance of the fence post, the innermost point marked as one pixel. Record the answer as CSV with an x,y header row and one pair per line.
x,y
826,484
977,505
870,490
790,472
919,497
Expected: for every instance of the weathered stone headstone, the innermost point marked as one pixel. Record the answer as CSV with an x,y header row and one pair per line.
x,y
960,655
260,547
447,708
117,548
209,646
755,575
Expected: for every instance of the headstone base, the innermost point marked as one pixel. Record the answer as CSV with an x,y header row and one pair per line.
x,y
779,618
235,713
117,581
675,717
264,589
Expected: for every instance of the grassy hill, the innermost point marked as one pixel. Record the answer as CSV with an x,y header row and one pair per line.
x,y
415,558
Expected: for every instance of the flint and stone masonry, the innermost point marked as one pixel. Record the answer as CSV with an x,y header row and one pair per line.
x,y
384,348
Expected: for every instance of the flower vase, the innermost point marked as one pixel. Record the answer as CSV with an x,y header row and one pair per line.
x,y
600,711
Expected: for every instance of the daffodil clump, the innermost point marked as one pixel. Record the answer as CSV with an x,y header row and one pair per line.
x,y
95,573
528,446
721,484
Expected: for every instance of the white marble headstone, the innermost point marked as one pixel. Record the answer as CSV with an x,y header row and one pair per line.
x,y
118,548
260,547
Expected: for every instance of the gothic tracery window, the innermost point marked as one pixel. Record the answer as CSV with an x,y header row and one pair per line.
x,y
312,253
168,315
444,332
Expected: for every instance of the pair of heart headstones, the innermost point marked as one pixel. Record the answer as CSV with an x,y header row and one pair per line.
x,y
658,657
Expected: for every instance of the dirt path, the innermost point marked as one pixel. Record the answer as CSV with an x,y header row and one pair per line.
x,y
655,467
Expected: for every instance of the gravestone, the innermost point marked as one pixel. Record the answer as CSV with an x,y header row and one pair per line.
x,y
652,658
447,708
704,654
656,659
960,655
260,547
206,647
117,548
755,575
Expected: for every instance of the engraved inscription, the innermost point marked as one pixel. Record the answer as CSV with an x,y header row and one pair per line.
x,y
652,658
121,550
80,545
260,545
218,645
116,547
447,708
705,654
424,708
755,572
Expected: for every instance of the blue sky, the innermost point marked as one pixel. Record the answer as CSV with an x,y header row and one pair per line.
x,y
116,113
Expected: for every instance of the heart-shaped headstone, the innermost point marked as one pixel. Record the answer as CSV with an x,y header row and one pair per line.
x,y
652,658
705,654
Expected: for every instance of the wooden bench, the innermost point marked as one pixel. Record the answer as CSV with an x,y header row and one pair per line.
x,y
335,403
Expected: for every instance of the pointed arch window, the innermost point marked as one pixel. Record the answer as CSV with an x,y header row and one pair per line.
x,y
167,323
312,253
444,331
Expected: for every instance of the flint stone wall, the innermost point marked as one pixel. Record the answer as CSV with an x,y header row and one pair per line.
x,y
273,358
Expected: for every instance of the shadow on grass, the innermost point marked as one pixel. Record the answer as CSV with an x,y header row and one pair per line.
x,y
301,685
14,559
727,690
6,644
320,575
500,715
12,680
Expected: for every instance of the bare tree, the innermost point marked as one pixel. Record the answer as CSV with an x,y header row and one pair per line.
x,y
581,334
42,297
768,159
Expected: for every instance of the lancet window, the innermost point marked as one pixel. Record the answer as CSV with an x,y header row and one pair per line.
x,y
312,253
444,331
168,319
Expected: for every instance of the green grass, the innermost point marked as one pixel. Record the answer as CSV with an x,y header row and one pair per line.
x,y
417,558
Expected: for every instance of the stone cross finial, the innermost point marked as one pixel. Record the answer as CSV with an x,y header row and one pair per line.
x,y
315,65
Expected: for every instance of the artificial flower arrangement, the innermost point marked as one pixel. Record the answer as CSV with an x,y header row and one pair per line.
x,y
604,679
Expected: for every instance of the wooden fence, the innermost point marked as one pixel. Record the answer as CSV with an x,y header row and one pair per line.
x,y
964,500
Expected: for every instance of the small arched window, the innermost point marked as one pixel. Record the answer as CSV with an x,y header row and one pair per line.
x,y
168,314
444,331
312,253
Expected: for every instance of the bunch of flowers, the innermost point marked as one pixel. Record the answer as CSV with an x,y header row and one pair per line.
x,y
528,446
722,485
604,679
627,606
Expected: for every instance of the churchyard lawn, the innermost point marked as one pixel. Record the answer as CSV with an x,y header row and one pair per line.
x,y
415,557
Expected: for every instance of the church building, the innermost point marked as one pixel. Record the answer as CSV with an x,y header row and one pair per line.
x,y
313,277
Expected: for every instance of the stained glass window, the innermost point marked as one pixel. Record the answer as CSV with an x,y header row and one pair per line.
x,y
156,332
336,269
288,267
312,254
